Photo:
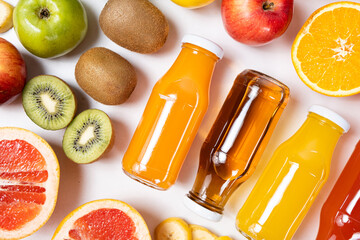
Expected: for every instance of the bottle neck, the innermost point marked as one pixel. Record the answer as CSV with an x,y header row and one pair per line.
x,y
319,131
195,63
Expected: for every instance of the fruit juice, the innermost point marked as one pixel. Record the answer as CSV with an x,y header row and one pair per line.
x,y
292,179
172,117
340,214
238,137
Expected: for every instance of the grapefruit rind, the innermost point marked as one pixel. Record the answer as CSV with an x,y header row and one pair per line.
x,y
51,185
302,33
62,231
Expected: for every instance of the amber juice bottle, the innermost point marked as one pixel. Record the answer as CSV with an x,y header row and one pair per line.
x,y
236,141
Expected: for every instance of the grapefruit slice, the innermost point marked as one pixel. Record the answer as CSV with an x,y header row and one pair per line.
x,y
105,219
29,181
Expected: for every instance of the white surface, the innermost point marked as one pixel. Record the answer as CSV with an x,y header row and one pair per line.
x,y
204,43
332,116
105,179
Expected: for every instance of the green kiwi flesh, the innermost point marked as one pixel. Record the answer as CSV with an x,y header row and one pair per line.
x,y
88,136
49,102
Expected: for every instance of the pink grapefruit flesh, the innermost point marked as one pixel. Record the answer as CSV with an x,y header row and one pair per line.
x,y
22,162
118,226
105,219
28,182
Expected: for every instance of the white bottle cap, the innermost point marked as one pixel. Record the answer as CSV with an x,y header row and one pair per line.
x,y
332,116
202,211
204,43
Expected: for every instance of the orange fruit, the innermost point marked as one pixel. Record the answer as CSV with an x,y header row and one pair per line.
x,y
29,181
105,219
326,51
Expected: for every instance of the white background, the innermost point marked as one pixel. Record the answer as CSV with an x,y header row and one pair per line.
x,y
105,179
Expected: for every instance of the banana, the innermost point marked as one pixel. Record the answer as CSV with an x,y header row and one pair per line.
x,y
201,233
173,229
224,238
5,16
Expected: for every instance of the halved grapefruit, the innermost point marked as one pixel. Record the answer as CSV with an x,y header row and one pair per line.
x,y
29,181
105,219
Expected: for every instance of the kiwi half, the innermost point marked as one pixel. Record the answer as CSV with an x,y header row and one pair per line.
x,y
49,102
88,136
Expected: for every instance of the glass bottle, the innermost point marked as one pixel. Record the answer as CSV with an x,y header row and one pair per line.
x,y
340,214
172,116
293,178
236,141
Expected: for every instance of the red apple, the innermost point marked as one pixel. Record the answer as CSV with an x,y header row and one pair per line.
x,y
256,22
12,71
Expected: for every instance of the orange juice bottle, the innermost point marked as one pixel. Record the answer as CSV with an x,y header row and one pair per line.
x,y
292,179
236,141
172,115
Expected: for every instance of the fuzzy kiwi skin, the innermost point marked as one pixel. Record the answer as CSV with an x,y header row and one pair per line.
x,y
105,76
134,24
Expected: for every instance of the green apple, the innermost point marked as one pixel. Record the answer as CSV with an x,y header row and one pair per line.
x,y
50,28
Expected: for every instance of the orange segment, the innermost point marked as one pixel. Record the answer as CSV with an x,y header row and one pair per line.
x,y
326,51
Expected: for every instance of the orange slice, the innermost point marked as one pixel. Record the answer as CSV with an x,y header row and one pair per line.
x,y
326,51
103,219
29,181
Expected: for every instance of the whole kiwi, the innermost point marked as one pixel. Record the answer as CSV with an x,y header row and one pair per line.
x,y
105,76
134,24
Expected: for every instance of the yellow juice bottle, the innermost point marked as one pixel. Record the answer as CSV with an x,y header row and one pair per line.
x,y
292,179
172,116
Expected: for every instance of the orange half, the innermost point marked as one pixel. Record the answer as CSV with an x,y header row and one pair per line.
x,y
326,51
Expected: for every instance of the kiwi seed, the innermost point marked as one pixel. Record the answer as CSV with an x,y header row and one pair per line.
x,y
88,136
49,102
